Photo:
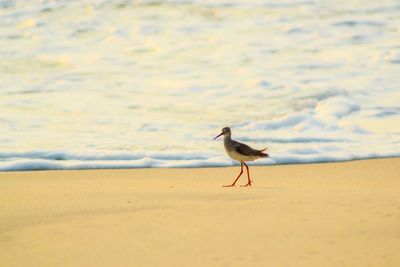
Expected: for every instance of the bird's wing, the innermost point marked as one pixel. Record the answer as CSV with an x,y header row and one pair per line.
x,y
246,150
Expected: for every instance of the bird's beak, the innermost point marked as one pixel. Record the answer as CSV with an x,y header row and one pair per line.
x,y
218,136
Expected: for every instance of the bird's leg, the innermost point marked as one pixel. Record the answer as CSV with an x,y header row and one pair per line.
x,y
248,175
237,178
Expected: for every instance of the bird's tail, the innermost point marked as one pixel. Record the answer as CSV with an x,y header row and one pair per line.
x,y
265,155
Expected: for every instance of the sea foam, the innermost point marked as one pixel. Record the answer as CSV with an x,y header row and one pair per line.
x,y
79,90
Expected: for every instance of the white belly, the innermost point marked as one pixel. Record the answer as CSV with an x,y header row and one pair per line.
x,y
237,156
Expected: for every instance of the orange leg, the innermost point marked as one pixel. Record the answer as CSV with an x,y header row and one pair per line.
x,y
237,178
248,175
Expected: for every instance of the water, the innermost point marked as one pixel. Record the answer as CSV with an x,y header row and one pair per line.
x,y
120,84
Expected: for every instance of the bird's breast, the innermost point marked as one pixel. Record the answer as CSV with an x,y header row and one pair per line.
x,y
233,154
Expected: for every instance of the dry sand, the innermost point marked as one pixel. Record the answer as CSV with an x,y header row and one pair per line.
x,y
336,214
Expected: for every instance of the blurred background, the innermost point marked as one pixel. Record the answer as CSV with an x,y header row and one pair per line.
x,y
107,84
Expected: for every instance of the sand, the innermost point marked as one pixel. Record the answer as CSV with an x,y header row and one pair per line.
x,y
334,214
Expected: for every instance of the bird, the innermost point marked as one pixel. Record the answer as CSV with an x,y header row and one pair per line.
x,y
240,152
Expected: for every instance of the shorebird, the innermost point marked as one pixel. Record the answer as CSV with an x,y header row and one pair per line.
x,y
240,152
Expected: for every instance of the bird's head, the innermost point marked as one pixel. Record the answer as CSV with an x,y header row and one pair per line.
x,y
226,131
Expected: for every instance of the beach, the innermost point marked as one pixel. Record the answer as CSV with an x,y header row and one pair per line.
x,y
109,110
325,214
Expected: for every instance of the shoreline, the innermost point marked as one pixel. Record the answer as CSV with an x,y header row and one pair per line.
x,y
325,214
205,167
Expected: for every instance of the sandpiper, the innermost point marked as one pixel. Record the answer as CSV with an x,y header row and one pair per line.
x,y
240,152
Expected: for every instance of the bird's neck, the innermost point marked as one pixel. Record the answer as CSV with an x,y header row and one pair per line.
x,y
228,142
227,137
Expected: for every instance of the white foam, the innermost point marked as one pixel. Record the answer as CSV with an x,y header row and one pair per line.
x,y
336,107
34,160
61,160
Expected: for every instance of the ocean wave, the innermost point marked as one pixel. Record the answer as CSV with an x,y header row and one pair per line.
x,y
51,160
107,156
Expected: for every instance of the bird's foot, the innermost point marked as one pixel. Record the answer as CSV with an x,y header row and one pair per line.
x,y
231,185
248,184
